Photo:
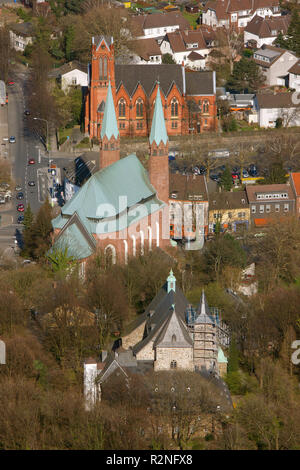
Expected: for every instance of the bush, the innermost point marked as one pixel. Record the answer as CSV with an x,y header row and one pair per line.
x,y
240,383
85,140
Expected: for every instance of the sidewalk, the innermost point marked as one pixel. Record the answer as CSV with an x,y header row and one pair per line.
x,y
6,219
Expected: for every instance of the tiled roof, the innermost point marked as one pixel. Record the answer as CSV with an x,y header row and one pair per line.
x,y
160,20
295,68
147,48
228,200
224,7
24,29
179,40
188,185
74,65
296,181
253,190
193,56
263,27
278,100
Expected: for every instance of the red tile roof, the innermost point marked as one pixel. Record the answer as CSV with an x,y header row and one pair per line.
x,y
296,181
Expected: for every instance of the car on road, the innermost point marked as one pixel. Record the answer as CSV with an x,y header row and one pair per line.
x,y
31,161
18,188
31,183
20,207
20,196
12,139
20,219
26,112
11,82
6,139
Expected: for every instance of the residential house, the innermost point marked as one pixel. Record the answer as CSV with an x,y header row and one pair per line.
x,y
158,25
146,52
237,13
275,64
169,335
21,35
186,47
277,107
294,76
134,92
188,206
192,8
269,203
295,184
70,75
230,209
265,30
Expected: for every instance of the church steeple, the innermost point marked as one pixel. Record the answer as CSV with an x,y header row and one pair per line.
x,y
171,282
109,136
159,150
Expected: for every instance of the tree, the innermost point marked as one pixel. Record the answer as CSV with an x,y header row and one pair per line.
x,y
61,262
5,54
226,179
37,239
277,175
167,59
28,218
292,39
246,76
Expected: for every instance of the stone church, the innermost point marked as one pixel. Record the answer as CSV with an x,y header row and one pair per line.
x,y
169,335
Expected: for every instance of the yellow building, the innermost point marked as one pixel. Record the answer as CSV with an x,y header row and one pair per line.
x,y
229,209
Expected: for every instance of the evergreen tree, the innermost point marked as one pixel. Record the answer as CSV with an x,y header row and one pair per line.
x,y
28,218
292,39
246,76
226,179
277,175
168,59
37,238
233,359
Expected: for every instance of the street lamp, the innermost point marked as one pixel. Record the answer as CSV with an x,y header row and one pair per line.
x,y
47,134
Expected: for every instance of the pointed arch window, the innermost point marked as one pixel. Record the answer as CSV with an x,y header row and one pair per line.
x,y
122,108
206,106
103,68
100,68
174,108
139,108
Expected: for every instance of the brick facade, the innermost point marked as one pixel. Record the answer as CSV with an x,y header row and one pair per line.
x,y
135,110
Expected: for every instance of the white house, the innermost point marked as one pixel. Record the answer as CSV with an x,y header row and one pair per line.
x,y
261,30
271,107
158,25
237,13
187,47
275,63
294,76
21,35
70,74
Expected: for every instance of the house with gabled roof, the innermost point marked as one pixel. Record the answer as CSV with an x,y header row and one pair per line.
x,y
157,25
275,64
70,74
169,335
261,30
134,92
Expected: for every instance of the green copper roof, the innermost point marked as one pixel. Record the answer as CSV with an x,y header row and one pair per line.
x,y
111,192
109,125
221,356
158,128
171,280
74,241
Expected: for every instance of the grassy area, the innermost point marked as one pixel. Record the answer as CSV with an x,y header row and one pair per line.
x,y
63,133
192,18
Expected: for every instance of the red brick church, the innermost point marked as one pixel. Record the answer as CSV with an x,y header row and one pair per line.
x,y
188,98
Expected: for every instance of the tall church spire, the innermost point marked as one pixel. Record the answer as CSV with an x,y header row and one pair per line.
x,y
109,136
159,150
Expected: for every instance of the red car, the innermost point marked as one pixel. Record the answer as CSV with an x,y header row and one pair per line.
x,y
235,176
20,207
31,161
11,82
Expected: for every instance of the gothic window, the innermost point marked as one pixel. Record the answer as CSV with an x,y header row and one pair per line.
x,y
103,68
206,106
173,365
139,107
122,108
173,338
174,107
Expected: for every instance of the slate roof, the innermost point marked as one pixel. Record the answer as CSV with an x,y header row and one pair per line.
x,y
23,29
179,40
197,83
188,185
174,328
295,68
203,313
74,65
127,177
228,200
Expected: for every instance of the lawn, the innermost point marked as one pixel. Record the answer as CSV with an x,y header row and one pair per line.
x,y
192,18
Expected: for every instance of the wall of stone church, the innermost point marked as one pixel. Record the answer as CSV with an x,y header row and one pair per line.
x,y
183,357
147,353
222,368
134,337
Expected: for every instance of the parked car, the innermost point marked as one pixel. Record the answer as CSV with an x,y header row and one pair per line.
x,y
11,82
31,183
12,139
6,139
20,207
253,170
20,196
214,177
18,188
235,176
31,161
2,200
27,113
245,174
20,219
